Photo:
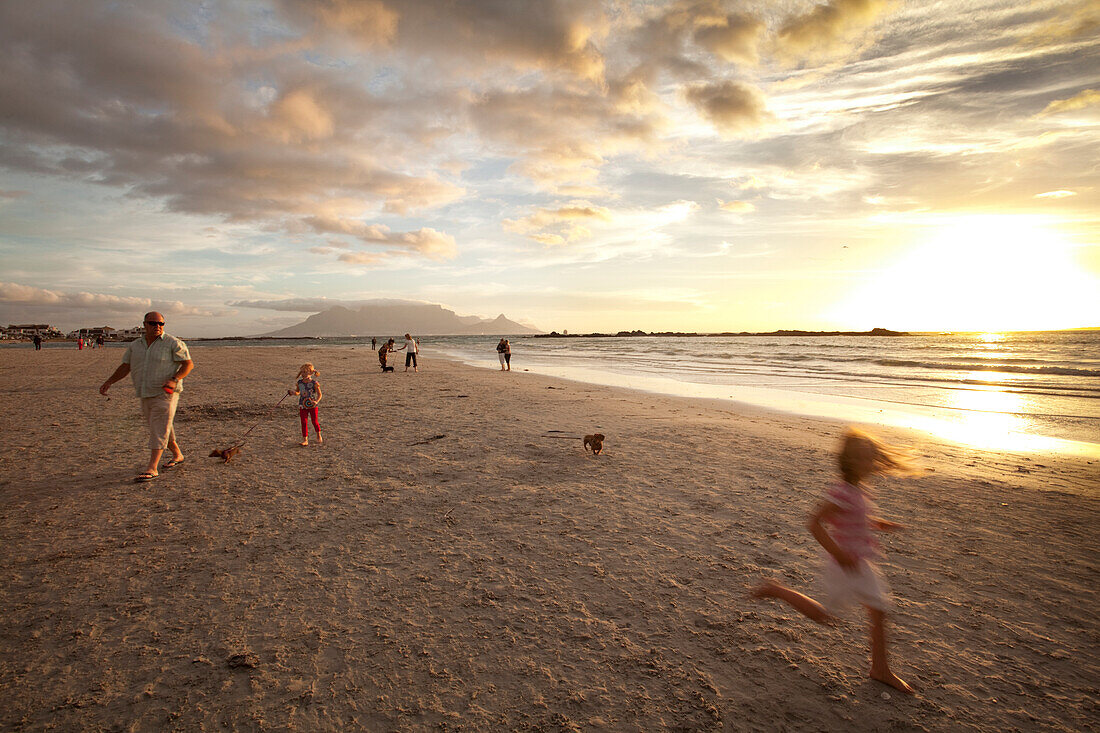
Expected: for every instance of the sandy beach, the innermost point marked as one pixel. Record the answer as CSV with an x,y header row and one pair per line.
x,y
438,564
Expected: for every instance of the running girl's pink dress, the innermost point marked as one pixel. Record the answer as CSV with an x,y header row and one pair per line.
x,y
850,528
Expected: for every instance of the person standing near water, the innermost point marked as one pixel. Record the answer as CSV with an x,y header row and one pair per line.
x,y
504,351
157,363
412,348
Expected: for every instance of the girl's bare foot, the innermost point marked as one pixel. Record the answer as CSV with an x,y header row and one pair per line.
x,y
304,442
320,439
887,677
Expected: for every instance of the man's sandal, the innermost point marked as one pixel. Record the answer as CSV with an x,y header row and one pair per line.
x,y
143,477
173,463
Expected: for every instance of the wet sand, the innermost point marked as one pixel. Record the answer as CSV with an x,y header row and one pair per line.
x,y
492,578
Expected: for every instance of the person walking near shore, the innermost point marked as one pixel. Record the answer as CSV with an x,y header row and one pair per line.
x,y
157,363
849,574
412,348
37,342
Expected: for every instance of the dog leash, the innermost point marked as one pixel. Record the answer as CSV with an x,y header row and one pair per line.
x,y
265,417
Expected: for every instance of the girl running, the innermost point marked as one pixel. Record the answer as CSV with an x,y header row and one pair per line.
x,y
844,524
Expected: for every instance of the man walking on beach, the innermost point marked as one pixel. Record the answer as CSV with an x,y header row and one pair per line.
x,y
157,363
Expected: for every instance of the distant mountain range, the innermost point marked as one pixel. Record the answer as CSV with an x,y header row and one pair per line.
x,y
387,320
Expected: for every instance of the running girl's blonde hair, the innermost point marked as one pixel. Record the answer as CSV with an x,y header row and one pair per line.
x,y
307,370
885,458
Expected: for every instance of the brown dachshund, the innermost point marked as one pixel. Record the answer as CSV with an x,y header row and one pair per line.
x,y
595,442
227,454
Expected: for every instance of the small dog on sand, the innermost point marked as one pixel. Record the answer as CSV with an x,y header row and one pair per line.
x,y
595,442
227,454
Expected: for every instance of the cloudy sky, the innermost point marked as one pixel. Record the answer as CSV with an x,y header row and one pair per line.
x,y
704,165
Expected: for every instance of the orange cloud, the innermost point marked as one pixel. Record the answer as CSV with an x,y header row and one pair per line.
x,y
425,241
297,116
369,21
733,38
361,258
732,107
1087,98
27,295
563,135
827,29
737,207
566,223
85,302
549,35
1072,19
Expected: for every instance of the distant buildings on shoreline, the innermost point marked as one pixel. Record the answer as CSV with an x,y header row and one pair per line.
x,y
27,331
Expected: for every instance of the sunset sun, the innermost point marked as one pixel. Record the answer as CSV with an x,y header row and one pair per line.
x,y
979,273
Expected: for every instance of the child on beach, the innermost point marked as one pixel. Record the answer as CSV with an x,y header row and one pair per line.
x,y
849,573
308,390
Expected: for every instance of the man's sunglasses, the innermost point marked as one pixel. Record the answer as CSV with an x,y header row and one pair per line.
x,y
154,323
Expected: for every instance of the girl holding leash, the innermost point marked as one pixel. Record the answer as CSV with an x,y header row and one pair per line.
x,y
308,390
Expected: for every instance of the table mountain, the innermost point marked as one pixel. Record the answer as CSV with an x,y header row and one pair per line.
x,y
395,320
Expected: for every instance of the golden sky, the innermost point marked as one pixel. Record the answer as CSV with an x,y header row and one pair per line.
x,y
704,165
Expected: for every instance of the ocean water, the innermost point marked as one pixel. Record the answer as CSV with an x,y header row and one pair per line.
x,y
1037,391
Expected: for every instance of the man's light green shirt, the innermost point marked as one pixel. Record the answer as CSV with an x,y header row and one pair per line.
x,y
152,366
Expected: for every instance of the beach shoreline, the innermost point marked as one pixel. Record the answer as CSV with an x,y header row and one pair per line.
x,y
975,428
438,562
1033,392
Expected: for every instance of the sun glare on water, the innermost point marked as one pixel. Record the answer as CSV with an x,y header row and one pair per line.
x,y
986,417
991,419
980,273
